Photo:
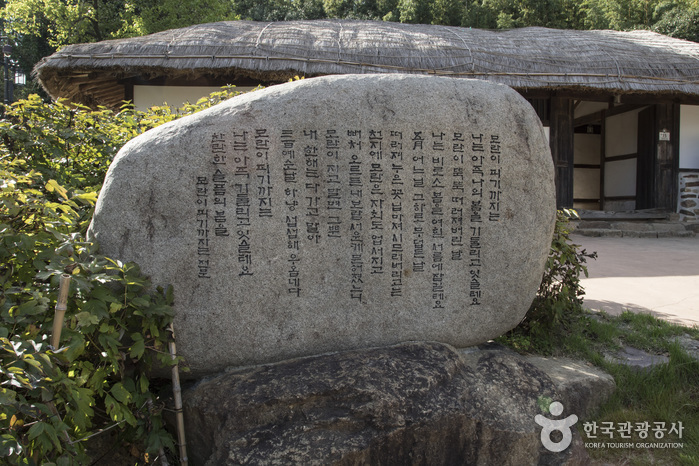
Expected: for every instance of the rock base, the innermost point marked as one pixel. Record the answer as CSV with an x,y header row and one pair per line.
x,y
413,403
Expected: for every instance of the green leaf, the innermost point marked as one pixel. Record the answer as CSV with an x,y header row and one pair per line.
x,y
86,319
115,307
53,186
137,349
104,293
32,307
90,198
120,393
7,396
33,362
110,403
97,309
141,301
75,349
143,383
36,430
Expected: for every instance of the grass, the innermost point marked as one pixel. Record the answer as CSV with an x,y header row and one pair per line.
x,y
665,393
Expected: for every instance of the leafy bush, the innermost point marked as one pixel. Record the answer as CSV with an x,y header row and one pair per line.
x,y
53,158
75,145
53,398
560,291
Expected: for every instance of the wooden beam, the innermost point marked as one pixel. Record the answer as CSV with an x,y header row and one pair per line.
x,y
592,95
624,108
617,158
591,119
595,118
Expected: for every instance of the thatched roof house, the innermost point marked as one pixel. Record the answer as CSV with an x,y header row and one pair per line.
x,y
592,82
530,58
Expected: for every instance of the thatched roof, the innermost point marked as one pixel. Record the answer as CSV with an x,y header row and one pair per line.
x,y
529,58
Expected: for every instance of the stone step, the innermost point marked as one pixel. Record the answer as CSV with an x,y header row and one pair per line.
x,y
646,215
628,229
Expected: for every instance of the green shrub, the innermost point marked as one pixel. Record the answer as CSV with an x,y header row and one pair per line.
x,y
560,292
53,158
75,145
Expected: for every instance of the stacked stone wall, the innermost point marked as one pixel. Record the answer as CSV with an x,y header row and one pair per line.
x,y
688,207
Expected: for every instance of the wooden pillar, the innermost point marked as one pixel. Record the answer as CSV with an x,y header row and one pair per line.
x,y
668,157
658,157
128,92
561,142
645,165
602,158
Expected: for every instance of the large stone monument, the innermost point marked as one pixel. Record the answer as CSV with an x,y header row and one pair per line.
x,y
337,213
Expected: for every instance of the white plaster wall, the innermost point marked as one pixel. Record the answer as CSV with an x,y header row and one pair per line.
x,y
587,148
586,108
689,136
174,96
586,183
587,151
622,139
620,178
622,134
586,180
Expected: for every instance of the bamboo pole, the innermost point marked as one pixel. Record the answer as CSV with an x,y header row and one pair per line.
x,y
177,392
59,316
61,307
